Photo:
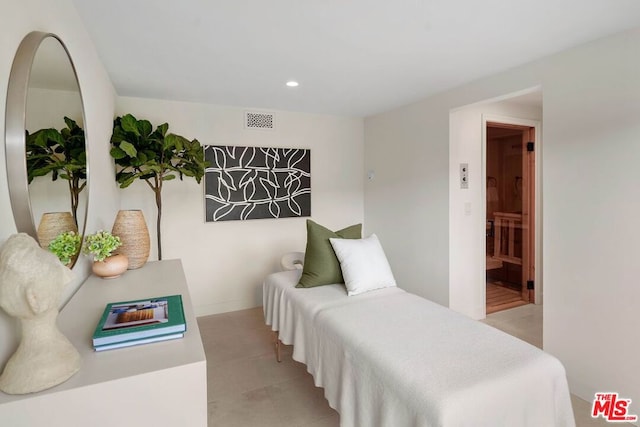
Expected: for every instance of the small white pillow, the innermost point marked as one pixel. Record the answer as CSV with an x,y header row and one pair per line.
x,y
363,263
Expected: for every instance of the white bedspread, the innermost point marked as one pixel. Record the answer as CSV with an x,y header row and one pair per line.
x,y
390,358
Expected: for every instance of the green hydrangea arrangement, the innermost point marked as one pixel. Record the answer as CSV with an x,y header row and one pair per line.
x,y
66,246
101,245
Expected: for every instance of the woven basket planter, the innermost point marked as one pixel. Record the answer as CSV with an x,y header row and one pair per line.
x,y
52,224
131,227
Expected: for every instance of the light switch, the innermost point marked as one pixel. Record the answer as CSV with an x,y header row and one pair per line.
x,y
467,209
464,175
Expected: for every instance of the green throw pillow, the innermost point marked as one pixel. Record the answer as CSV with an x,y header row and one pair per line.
x,y
321,267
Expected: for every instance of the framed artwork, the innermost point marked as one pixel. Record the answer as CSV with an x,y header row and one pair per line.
x,y
251,182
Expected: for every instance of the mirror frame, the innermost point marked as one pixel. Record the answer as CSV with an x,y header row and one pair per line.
x,y
15,137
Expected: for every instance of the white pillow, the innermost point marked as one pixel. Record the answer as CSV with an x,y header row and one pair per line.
x,y
363,263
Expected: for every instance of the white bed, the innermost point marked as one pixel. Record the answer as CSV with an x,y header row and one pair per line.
x,y
390,358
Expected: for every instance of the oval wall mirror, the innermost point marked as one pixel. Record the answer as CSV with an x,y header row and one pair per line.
x,y
46,153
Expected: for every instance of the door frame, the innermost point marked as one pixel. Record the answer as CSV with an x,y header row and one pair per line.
x,y
537,125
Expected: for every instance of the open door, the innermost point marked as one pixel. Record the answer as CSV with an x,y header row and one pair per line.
x,y
510,211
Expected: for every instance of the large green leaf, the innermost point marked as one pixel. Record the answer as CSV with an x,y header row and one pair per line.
x,y
128,148
144,128
117,153
169,144
127,182
125,179
130,124
162,129
118,133
71,124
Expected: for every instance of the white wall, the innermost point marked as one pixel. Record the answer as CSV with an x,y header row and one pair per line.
x,y
406,201
467,245
591,116
225,262
16,20
591,205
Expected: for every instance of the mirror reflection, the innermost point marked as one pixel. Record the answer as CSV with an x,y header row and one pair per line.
x,y
55,145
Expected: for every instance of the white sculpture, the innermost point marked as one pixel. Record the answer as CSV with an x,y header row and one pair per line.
x,y
31,283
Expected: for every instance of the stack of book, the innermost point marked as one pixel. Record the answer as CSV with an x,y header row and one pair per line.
x,y
129,323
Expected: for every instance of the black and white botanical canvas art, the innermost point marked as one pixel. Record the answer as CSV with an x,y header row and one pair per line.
x,y
252,182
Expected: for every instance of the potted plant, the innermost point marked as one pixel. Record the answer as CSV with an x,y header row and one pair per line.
x,y
153,156
100,246
66,246
61,153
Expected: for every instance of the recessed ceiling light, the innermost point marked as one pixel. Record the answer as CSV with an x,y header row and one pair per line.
x,y
292,83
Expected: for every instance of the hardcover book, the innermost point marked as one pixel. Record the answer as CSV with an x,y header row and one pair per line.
x,y
134,320
138,341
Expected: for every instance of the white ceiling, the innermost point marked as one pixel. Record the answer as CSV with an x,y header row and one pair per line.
x,y
351,57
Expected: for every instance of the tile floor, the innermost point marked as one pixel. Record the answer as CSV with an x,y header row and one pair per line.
x,y
247,387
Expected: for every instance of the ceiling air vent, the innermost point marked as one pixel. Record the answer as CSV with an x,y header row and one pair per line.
x,y
259,120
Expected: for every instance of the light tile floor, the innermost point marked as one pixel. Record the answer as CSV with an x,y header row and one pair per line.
x,y
247,387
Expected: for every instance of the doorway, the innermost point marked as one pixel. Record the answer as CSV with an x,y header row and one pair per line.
x,y
510,215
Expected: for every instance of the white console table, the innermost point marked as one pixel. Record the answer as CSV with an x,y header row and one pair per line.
x,y
158,384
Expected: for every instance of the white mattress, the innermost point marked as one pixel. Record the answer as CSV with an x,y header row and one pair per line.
x,y
390,358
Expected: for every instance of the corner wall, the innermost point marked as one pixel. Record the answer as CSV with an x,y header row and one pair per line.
x,y
591,129
225,262
60,17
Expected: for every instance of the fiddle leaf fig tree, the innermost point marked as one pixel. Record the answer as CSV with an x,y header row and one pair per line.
x,y
154,156
61,153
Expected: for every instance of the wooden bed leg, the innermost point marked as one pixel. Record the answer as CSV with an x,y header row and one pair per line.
x,y
277,343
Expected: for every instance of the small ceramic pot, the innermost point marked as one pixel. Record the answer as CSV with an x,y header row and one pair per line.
x,y
111,267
